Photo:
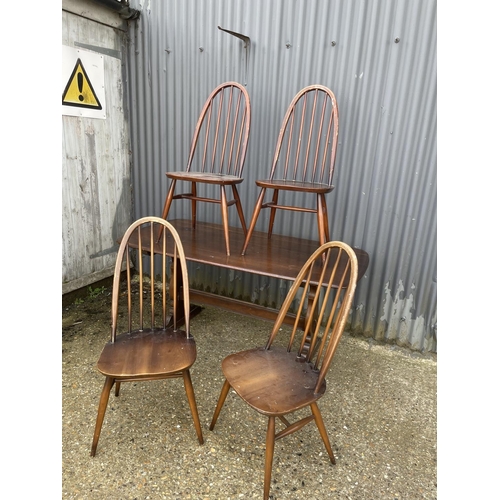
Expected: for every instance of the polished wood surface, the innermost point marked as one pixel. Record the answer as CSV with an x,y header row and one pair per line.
x,y
279,257
280,378
217,155
304,159
146,340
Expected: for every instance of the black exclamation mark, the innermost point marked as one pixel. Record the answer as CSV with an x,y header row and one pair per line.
x,y
80,86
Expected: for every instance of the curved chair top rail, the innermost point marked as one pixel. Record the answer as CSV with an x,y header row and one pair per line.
x,y
307,142
220,139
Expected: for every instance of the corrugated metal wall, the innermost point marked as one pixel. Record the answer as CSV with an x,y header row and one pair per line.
x,y
379,58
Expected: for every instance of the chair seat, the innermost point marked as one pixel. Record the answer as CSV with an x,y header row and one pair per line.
x,y
310,187
207,177
147,353
272,381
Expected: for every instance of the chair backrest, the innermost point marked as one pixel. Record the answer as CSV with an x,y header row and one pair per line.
x,y
220,138
328,279
307,142
146,293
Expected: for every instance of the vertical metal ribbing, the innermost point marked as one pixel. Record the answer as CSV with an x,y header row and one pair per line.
x,y
387,143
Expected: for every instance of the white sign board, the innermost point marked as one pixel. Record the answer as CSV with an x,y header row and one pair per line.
x,y
82,83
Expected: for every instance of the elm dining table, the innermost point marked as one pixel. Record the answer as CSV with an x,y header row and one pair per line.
x,y
279,257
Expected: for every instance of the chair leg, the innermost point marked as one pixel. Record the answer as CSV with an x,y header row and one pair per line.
x,y
236,197
225,219
103,403
188,386
323,231
273,213
325,218
220,403
168,199
117,389
193,204
255,216
269,456
322,430
166,206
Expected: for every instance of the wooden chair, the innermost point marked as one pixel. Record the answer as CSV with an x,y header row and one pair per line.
x,y
277,380
304,158
217,154
147,349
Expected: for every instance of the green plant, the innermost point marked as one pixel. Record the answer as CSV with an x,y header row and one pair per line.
x,y
95,292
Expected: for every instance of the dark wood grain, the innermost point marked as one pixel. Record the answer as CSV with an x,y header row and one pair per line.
x,y
217,154
278,381
142,345
279,257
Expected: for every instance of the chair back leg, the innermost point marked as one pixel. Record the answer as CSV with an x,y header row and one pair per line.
x,y
324,211
193,204
237,200
273,213
220,403
322,430
225,217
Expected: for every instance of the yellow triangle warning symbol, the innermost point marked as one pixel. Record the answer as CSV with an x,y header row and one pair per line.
x,y
79,91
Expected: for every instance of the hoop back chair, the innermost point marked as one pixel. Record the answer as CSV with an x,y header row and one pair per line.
x,y
147,348
217,154
277,380
304,159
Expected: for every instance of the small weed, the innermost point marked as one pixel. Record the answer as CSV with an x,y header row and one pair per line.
x,y
78,300
95,292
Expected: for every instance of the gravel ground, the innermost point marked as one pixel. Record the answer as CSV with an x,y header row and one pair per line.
x,y
379,410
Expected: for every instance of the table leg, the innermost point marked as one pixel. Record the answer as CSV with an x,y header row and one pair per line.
x,y
179,302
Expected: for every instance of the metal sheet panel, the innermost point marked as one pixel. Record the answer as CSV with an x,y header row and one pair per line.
x,y
96,184
379,58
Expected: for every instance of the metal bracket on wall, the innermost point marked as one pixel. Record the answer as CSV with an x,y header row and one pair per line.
x,y
246,46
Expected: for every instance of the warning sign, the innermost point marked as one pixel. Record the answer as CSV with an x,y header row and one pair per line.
x,y
79,91
82,83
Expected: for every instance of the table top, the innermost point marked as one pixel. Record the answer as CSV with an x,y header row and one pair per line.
x,y
279,256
